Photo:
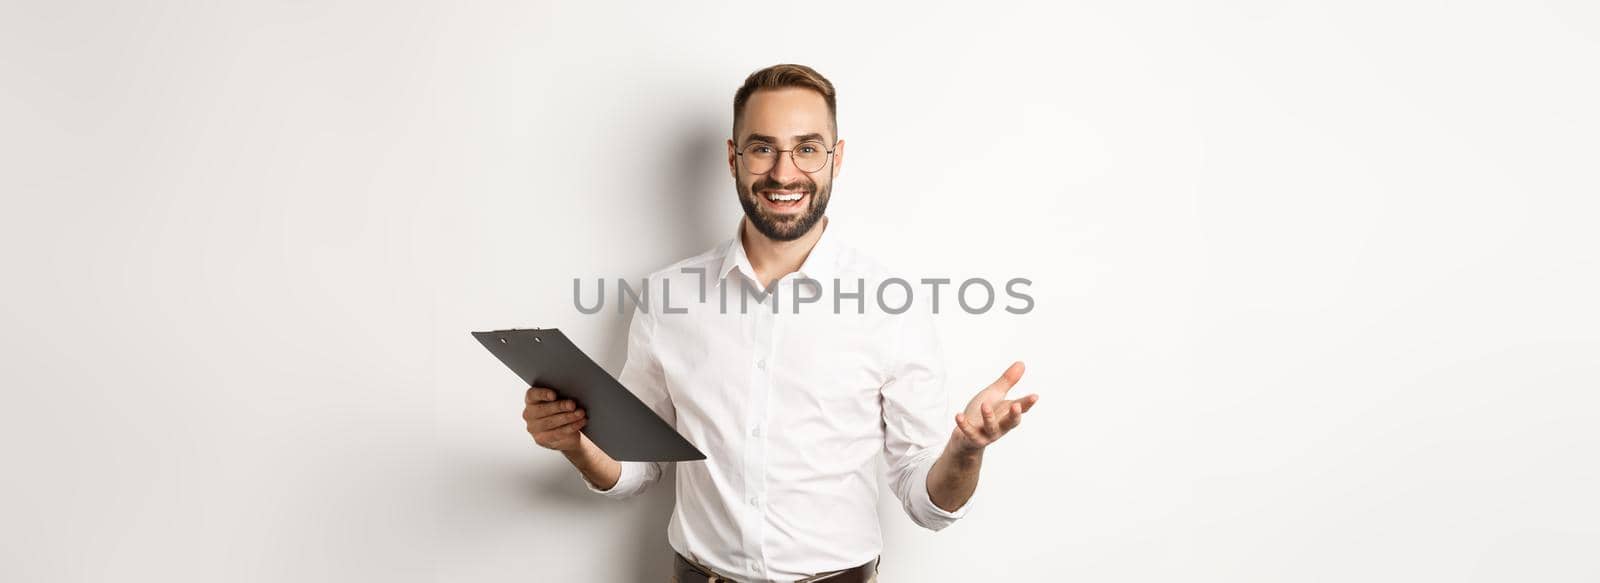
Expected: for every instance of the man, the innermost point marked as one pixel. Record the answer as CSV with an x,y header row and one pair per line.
x,y
791,407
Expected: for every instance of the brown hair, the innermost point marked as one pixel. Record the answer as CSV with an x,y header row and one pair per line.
x,y
784,76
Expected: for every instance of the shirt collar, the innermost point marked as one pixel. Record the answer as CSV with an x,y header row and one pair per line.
x,y
820,264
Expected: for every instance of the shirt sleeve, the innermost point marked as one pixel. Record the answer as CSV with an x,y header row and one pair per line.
x,y
642,375
916,427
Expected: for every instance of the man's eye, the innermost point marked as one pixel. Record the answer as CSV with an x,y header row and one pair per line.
x,y
808,149
761,149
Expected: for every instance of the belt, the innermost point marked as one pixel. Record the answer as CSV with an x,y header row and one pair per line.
x,y
688,571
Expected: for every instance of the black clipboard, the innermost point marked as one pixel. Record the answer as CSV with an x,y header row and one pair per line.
x,y
619,423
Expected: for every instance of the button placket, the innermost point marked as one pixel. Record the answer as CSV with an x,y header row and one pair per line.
x,y
763,330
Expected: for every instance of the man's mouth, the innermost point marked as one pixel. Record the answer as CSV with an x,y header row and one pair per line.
x,y
783,200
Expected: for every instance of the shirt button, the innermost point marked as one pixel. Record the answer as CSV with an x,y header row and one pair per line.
x,y
756,432
761,364
752,500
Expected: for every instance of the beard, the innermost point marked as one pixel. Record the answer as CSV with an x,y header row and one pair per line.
x,y
784,227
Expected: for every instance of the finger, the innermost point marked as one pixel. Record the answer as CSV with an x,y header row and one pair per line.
x,y
548,408
991,428
1028,401
568,428
549,422
556,435
1014,418
969,431
536,394
1009,378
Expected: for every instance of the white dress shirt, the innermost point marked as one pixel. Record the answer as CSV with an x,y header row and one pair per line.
x,y
791,409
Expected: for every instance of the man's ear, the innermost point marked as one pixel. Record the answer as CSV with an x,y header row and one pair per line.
x,y
838,158
733,161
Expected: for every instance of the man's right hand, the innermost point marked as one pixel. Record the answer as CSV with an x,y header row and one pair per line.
x,y
553,424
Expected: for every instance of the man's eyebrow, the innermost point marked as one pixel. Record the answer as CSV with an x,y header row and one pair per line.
x,y
811,137
760,138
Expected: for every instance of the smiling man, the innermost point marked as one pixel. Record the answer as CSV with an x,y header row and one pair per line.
x,y
792,408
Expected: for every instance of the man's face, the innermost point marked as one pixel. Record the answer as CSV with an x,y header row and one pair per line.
x,y
784,119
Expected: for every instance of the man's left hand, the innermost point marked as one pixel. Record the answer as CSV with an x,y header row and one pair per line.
x,y
990,415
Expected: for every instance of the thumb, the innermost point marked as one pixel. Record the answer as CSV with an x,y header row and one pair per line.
x,y
1008,379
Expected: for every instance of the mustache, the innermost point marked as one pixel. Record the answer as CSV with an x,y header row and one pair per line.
x,y
805,186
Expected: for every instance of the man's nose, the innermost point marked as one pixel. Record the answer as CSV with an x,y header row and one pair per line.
x,y
785,169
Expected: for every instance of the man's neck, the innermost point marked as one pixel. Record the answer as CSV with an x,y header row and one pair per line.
x,y
774,259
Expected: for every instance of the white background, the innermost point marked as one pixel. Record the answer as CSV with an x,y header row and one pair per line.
x,y
1315,281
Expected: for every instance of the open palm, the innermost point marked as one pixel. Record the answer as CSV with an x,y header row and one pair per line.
x,y
990,414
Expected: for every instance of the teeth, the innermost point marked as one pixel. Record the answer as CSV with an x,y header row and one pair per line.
x,y
775,197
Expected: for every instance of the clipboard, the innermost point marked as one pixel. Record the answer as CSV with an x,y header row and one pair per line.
x,y
619,423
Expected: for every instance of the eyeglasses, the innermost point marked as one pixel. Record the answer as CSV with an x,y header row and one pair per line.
x,y
761,158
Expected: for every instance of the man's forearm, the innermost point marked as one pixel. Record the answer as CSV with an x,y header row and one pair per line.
x,y
954,477
595,465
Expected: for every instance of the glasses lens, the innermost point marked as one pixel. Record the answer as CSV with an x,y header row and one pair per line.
x,y
810,156
759,158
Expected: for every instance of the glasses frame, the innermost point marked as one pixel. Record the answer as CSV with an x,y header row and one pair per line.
x,y
775,161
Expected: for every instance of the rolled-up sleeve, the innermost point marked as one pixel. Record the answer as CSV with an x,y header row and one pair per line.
x,y
642,375
916,426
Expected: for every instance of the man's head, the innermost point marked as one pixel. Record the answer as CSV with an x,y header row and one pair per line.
x,y
784,128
